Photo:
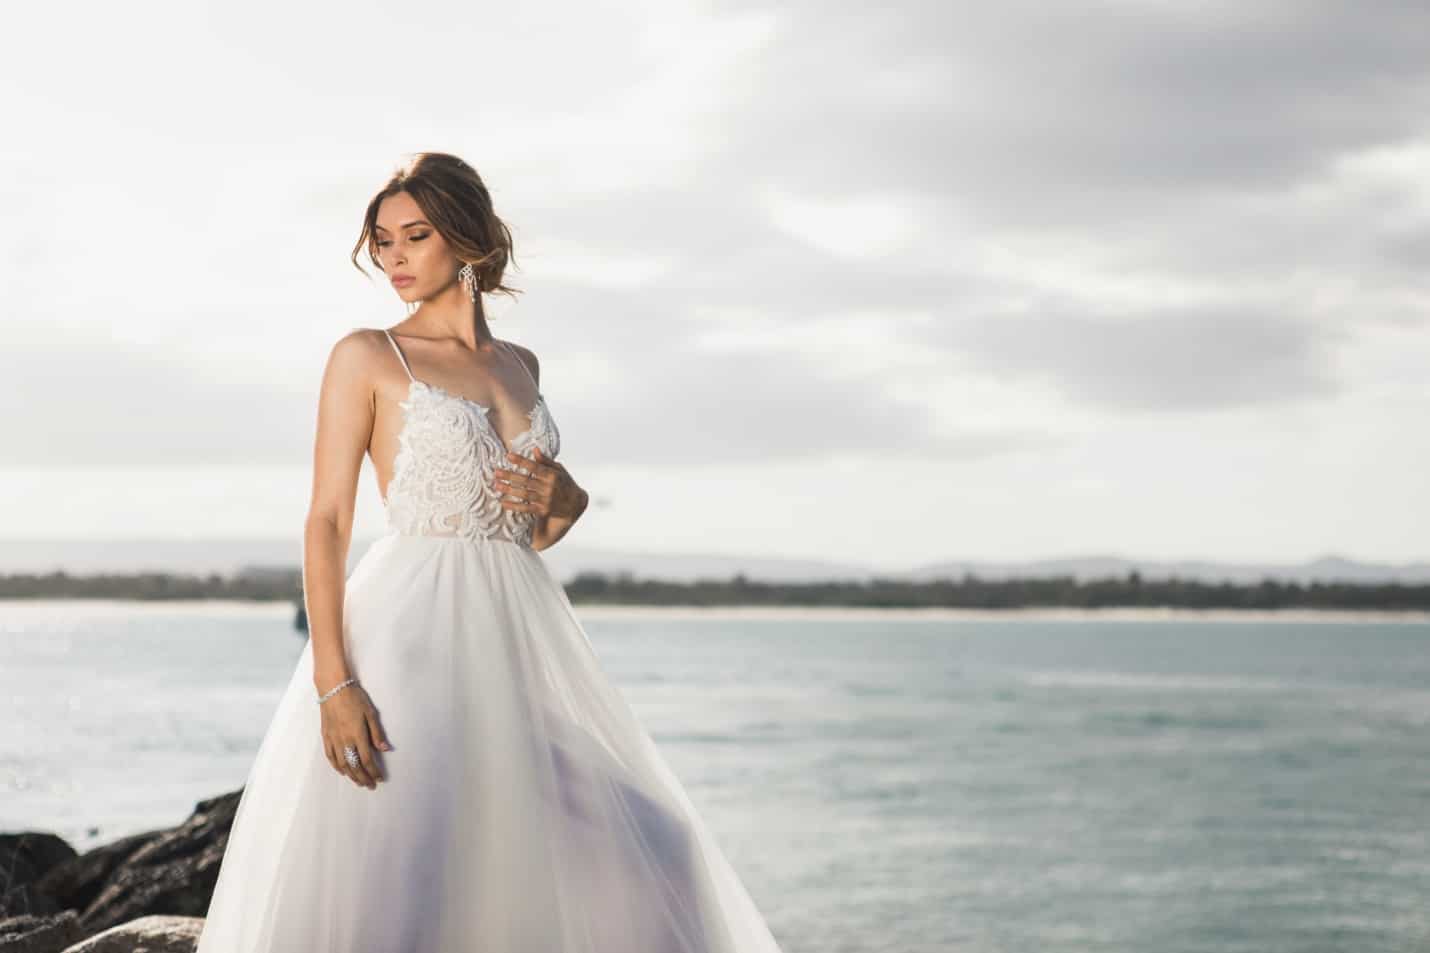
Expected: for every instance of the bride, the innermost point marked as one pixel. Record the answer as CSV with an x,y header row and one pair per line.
x,y
450,768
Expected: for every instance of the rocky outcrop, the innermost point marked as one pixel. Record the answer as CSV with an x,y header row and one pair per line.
x,y
146,935
54,896
44,934
24,858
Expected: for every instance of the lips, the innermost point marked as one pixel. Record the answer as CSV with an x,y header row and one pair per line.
x,y
402,280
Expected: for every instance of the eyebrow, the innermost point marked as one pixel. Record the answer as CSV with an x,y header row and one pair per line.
x,y
404,225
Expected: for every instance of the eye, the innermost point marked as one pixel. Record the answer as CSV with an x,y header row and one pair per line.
x,y
415,238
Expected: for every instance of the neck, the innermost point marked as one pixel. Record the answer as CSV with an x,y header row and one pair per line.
x,y
451,313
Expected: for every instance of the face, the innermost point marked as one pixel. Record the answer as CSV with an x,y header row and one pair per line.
x,y
408,247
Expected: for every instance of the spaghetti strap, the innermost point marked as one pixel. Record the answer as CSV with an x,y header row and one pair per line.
x,y
400,355
523,367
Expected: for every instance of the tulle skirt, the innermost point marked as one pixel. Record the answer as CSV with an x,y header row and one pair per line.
x,y
525,809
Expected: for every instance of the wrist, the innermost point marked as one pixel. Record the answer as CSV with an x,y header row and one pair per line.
x,y
336,689
327,678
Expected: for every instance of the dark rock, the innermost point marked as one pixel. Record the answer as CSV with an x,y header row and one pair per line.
x,y
164,872
75,883
25,856
47,934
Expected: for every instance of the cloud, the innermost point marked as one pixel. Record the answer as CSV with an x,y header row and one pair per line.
x,y
1186,359
1148,206
681,405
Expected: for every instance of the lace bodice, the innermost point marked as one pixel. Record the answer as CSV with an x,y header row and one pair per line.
x,y
447,452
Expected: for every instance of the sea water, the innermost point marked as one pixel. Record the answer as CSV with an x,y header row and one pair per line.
x,y
879,784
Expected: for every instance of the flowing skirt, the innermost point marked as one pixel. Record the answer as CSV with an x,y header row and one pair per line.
x,y
524,810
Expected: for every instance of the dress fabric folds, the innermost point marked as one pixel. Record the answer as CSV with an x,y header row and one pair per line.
x,y
525,808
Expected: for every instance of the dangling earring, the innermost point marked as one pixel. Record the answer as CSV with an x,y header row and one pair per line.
x,y
468,277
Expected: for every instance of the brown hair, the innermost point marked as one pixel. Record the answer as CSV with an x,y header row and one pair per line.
x,y
456,202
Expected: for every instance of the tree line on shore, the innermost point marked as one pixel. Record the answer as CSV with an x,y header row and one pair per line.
x,y
969,591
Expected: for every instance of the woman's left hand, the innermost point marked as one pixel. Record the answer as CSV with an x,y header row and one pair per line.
x,y
547,490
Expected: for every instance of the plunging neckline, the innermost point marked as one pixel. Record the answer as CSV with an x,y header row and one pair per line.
x,y
485,412
483,408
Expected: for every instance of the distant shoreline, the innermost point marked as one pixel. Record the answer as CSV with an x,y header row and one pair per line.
x,y
832,613
1029,614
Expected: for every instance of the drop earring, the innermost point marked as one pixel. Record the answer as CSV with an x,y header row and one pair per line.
x,y
468,277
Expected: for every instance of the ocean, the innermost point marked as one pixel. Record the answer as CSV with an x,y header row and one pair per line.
x,y
899,783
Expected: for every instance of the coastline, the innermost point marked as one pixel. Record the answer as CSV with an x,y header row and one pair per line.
x,y
1027,614
812,613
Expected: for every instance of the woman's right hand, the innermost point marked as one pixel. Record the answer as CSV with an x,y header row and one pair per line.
x,y
350,718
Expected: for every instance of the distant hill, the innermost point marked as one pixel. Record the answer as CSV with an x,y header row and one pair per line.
x,y
254,557
1322,569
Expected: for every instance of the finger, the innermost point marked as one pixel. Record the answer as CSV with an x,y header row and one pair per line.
x,y
545,479
335,755
524,493
375,732
520,460
370,762
340,761
528,490
367,761
349,771
507,478
332,758
352,773
359,772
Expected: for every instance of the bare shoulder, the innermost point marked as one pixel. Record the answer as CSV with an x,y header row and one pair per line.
x,y
529,357
354,362
357,342
353,350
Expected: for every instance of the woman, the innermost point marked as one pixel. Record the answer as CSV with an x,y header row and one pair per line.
x,y
449,768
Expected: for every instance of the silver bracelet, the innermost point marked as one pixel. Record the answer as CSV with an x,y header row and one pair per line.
x,y
335,689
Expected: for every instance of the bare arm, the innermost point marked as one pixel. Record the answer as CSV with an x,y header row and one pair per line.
x,y
346,411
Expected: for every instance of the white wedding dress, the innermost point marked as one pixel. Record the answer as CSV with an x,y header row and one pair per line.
x,y
525,809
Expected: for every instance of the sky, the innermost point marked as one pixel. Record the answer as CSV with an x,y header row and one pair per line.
x,y
886,285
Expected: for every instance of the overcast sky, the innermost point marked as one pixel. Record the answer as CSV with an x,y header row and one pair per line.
x,y
882,283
